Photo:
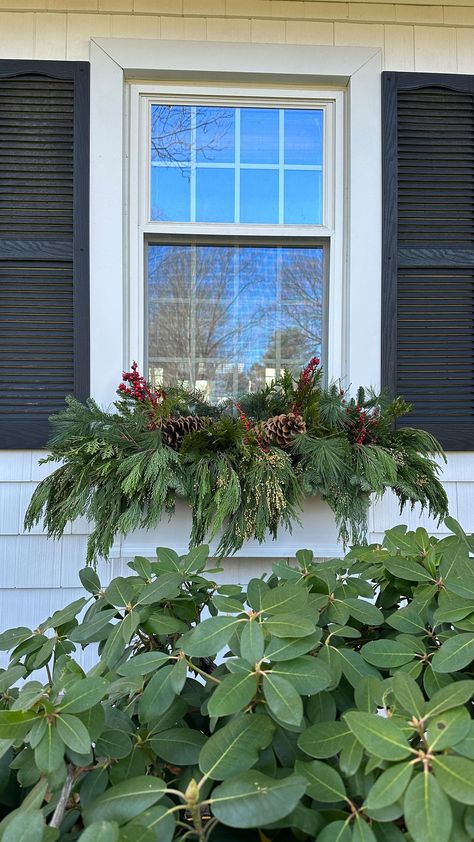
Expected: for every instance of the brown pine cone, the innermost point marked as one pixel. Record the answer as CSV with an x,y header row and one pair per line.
x,y
173,430
281,429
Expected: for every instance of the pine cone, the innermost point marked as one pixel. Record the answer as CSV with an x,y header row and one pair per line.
x,y
173,430
281,429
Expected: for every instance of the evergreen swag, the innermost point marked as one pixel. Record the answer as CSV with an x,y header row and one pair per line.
x,y
245,468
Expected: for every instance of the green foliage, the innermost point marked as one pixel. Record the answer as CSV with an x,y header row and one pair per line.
x,y
118,472
339,706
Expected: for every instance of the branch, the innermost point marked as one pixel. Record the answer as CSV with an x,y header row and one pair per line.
x,y
60,810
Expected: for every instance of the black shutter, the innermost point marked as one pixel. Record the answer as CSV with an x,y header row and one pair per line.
x,y
44,258
428,251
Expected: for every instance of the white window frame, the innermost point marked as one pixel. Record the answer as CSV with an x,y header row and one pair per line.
x,y
115,319
141,96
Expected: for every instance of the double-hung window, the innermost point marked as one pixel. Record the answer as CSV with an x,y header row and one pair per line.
x,y
236,197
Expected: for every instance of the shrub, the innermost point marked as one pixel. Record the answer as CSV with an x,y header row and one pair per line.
x,y
278,738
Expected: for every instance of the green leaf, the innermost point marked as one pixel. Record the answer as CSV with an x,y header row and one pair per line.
x,y
466,747
236,746
378,735
92,628
351,756
15,723
210,636
113,743
448,729
143,664
256,590
353,664
167,586
285,649
455,694
387,653
407,569
89,580
157,821
73,733
252,643
10,677
365,612
324,783
252,799
59,618
324,739
283,700
362,832
13,637
289,625
455,654
161,623
195,560
368,693
456,776
285,599
180,746
408,694
49,752
25,827
407,619
83,694
124,801
113,649
427,810
101,832
307,675
168,558
232,694
336,832
227,604
389,787
157,696
120,592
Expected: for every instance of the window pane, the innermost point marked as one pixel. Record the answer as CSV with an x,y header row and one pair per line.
x,y
215,135
171,191
171,133
259,196
214,195
303,197
303,137
226,319
259,142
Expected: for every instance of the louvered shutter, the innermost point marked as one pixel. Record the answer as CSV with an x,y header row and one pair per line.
x,y
44,259
428,251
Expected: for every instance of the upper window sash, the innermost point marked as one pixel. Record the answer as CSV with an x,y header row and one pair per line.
x,y
142,97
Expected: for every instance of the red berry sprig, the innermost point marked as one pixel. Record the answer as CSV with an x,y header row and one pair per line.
x,y
139,388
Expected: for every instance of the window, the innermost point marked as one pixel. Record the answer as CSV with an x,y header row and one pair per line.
x,y
236,232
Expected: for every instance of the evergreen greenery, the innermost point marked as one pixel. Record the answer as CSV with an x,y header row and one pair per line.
x,y
118,471
327,701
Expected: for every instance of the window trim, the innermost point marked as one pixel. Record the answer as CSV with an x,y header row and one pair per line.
x,y
140,97
357,68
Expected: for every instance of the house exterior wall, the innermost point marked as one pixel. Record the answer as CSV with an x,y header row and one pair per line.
x,y
37,574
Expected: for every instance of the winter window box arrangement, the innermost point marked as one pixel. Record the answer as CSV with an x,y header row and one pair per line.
x,y
245,468
339,708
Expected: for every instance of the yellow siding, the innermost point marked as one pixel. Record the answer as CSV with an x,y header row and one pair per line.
x,y
413,36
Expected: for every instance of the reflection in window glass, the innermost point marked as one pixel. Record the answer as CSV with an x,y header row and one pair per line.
x,y
259,196
226,319
220,164
259,135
